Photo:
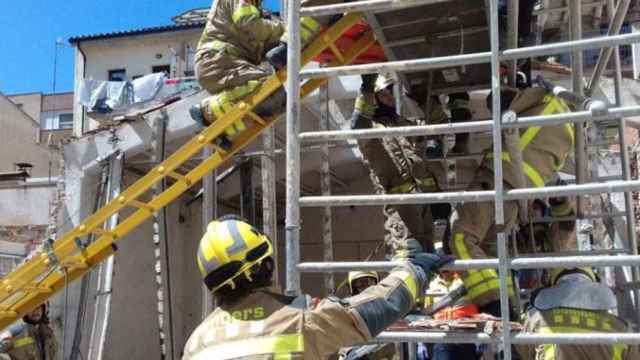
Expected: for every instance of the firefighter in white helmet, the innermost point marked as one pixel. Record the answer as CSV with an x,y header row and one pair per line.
x,y
252,322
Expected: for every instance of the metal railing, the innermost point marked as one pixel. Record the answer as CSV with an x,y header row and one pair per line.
x,y
503,263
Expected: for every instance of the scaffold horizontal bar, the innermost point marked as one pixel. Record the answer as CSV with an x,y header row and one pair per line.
x,y
475,196
460,265
470,59
472,126
521,338
364,6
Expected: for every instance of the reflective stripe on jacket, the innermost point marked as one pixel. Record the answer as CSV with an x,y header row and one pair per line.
x,y
565,320
544,148
238,27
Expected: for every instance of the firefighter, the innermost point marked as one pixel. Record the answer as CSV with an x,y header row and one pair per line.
x,y
358,282
575,303
457,109
236,264
395,164
228,61
30,339
446,283
361,280
544,151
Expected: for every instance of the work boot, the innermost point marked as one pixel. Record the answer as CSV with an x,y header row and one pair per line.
x,y
200,114
272,106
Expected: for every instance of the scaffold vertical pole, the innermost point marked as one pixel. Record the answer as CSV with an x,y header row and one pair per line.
x,y
498,178
292,221
575,23
624,156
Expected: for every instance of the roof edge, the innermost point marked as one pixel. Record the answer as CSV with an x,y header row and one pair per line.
x,y
136,32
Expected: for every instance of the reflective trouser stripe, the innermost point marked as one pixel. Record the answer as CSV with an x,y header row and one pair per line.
x,y
281,346
618,349
23,342
427,183
245,12
224,101
563,209
478,282
408,279
218,45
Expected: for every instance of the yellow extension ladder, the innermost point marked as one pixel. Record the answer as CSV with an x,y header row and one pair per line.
x,y
50,270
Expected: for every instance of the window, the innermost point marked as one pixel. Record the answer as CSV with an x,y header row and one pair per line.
x,y
65,121
161,69
54,120
118,75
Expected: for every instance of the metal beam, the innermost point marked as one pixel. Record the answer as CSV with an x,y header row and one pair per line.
x,y
470,59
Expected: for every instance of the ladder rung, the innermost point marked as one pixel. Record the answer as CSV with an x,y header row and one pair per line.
x,y
76,264
38,288
103,232
136,204
8,313
218,149
174,175
257,118
337,53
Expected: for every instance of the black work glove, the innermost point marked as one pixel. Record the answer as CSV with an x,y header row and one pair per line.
x,y
368,82
277,56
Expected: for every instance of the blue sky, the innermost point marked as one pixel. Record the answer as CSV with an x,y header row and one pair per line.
x,y
30,28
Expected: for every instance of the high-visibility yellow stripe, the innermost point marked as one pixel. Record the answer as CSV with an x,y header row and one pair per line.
x,y
277,345
618,350
533,175
489,286
365,107
310,24
569,129
549,352
245,11
528,136
563,209
461,247
27,340
408,279
405,188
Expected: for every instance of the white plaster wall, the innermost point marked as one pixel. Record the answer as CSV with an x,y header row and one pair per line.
x,y
26,205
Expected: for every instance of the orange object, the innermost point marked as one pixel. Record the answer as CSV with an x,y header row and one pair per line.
x,y
456,312
374,54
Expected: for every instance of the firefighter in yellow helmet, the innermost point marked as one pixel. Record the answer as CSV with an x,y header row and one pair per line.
x,y
396,165
358,282
252,322
30,339
544,151
575,303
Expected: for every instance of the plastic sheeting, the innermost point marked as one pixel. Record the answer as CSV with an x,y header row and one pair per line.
x,y
106,97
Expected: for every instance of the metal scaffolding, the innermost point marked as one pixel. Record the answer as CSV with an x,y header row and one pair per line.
x,y
592,114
